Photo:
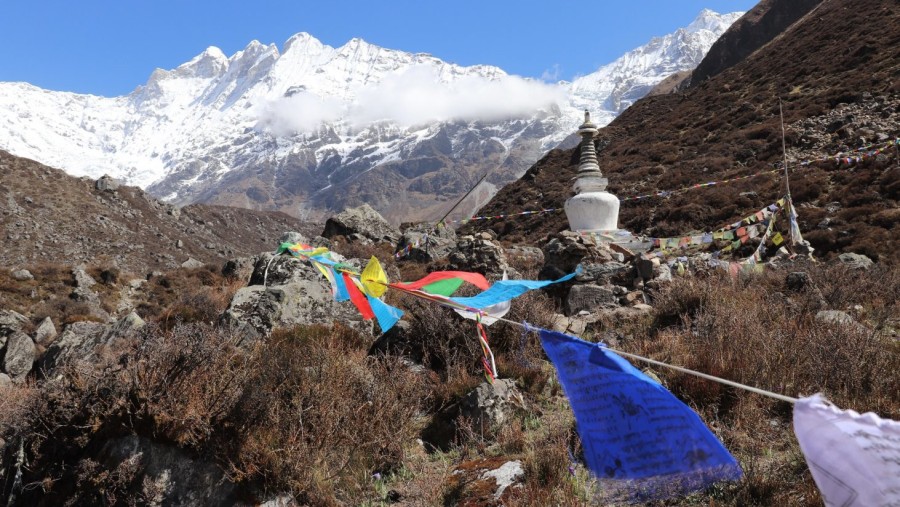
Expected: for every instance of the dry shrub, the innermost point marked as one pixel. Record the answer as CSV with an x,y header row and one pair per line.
x,y
15,402
755,331
308,413
187,295
325,417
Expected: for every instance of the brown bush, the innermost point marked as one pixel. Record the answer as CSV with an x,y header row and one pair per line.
x,y
308,414
752,330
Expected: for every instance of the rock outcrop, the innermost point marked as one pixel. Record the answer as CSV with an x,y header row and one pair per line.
x,y
361,222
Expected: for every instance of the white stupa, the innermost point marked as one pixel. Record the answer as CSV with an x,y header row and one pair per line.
x,y
592,208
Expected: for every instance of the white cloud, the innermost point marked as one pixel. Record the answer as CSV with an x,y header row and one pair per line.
x,y
552,74
301,112
414,97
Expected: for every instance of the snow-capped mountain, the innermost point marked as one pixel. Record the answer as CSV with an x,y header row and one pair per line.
x,y
312,128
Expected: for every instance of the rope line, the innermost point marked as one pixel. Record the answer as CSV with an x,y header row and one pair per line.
x,y
720,380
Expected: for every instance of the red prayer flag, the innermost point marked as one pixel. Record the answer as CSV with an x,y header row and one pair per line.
x,y
358,298
476,279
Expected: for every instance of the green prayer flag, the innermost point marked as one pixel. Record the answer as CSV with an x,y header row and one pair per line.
x,y
443,287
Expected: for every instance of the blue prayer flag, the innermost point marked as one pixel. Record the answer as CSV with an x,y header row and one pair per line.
x,y
639,440
505,290
386,314
340,288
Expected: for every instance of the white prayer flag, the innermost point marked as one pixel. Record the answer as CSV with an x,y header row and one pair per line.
x,y
854,459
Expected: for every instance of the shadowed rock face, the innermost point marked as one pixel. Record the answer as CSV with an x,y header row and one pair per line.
x,y
754,30
838,94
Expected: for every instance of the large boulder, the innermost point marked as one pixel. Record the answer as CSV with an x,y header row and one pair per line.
x,y
79,340
855,261
106,184
606,273
22,275
424,246
489,404
590,298
479,254
45,332
20,355
567,250
239,269
295,293
363,221
11,321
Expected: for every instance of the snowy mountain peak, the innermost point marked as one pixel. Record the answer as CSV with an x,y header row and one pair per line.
x,y
327,127
712,21
304,43
210,63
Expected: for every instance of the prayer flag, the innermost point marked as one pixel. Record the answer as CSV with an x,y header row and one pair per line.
x,y
340,287
429,281
505,290
638,438
358,298
374,279
854,459
386,314
777,239
494,312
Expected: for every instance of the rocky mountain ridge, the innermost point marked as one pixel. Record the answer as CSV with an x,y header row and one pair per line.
x,y
839,97
47,216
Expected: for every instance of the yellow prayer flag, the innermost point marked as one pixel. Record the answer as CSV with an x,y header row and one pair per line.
x,y
374,279
777,239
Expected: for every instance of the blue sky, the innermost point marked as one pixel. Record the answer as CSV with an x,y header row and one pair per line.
x,y
108,47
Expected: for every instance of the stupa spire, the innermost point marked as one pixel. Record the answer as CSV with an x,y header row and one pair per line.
x,y
592,208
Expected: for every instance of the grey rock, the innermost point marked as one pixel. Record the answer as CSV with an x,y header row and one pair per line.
x,y
508,474
20,355
605,273
10,322
479,255
296,294
590,298
192,263
179,244
559,323
22,275
567,250
168,475
106,184
284,500
425,247
4,382
292,237
77,341
83,284
45,333
364,221
239,269
835,317
663,273
489,405
855,261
